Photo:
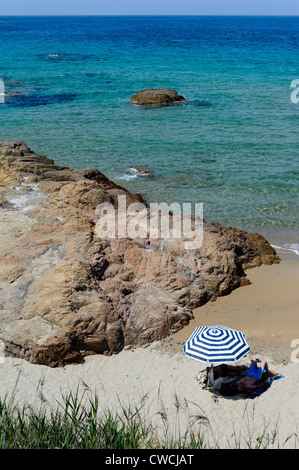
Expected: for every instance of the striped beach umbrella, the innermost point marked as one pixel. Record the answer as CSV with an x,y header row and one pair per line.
x,y
216,344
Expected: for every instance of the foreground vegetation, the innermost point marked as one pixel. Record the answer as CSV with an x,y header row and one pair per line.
x,y
76,426
78,422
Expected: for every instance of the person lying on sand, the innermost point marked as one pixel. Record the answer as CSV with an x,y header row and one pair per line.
x,y
231,380
225,370
224,378
253,377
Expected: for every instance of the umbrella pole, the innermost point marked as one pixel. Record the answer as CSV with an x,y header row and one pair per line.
x,y
210,378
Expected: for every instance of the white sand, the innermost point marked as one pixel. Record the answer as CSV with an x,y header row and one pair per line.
x,y
267,312
127,377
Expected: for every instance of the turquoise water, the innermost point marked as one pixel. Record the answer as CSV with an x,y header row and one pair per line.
x,y
233,146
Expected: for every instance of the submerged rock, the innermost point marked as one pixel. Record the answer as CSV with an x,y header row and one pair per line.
x,y
144,171
157,96
66,291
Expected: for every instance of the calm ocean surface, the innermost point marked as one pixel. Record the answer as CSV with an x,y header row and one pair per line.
x,y
234,146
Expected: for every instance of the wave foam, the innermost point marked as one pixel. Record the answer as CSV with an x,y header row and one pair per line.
x,y
26,201
132,173
288,247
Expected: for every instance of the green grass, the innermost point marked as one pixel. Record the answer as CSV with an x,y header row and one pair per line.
x,y
71,425
78,422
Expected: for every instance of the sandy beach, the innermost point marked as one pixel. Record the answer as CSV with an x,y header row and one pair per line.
x,y
159,376
148,166
266,310
159,379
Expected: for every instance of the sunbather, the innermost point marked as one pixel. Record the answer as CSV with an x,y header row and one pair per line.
x,y
231,380
254,378
224,377
224,370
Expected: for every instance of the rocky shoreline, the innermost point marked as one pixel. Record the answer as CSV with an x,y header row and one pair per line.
x,y
65,293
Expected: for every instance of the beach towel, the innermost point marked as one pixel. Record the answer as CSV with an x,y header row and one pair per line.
x,y
265,387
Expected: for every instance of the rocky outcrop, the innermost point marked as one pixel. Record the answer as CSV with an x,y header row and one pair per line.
x,y
157,96
144,171
66,291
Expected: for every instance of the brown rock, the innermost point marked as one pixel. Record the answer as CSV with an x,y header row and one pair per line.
x,y
66,291
157,96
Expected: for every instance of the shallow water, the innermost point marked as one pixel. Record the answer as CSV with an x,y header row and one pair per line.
x,y
232,146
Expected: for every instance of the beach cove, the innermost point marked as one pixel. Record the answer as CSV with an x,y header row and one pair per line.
x,y
103,320
158,375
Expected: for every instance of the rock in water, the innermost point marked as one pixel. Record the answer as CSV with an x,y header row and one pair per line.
x,y
66,292
144,171
157,96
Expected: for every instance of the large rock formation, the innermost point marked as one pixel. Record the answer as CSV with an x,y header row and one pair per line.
x,y
157,97
66,292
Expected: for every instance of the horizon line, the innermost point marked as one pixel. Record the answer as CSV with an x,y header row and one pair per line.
x,y
150,14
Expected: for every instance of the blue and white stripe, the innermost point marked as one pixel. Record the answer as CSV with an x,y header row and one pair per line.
x,y
216,344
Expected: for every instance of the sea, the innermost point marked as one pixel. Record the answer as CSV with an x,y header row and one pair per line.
x,y
232,146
